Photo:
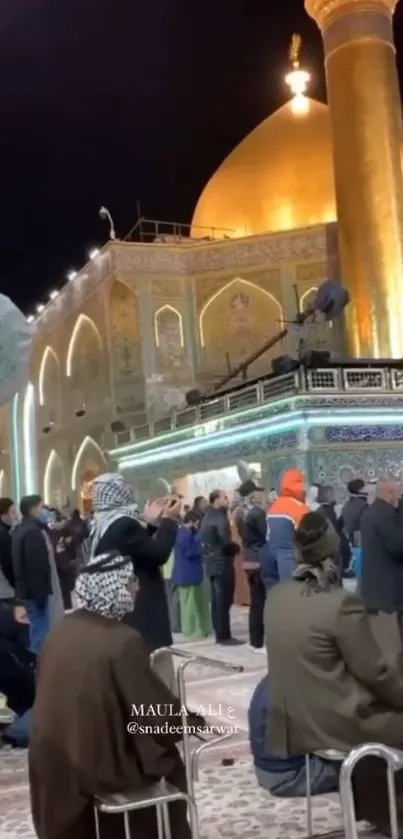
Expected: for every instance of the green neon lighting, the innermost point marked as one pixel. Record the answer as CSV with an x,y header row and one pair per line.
x,y
215,439
276,425
194,429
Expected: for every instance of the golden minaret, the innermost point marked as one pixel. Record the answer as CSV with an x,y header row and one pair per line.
x,y
364,101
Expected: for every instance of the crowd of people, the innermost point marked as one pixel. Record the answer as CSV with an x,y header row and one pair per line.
x,y
335,681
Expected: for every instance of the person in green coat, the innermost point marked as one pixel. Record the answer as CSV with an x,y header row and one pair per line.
x,y
188,576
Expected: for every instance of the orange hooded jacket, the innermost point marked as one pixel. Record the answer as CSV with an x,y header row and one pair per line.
x,y
283,518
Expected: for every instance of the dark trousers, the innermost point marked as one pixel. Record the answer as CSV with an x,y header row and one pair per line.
x,y
39,625
256,609
222,597
172,594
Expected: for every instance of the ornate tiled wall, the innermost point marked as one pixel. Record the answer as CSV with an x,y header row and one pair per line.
x,y
328,455
141,324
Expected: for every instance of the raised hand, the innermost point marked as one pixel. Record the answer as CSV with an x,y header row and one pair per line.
x,y
172,507
153,510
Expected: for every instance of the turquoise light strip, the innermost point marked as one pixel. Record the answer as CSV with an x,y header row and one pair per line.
x,y
276,425
15,449
196,430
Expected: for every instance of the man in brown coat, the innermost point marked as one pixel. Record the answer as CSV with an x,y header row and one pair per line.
x,y
94,680
332,686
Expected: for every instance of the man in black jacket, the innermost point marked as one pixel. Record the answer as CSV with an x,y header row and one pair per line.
x,y
32,569
8,518
382,553
218,554
353,509
251,522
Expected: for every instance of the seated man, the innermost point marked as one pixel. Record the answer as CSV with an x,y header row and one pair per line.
x,y
332,686
17,663
284,776
94,680
17,673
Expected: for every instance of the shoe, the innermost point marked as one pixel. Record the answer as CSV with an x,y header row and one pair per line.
x,y
258,650
230,642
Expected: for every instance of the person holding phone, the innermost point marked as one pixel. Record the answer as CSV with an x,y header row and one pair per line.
x,y
149,540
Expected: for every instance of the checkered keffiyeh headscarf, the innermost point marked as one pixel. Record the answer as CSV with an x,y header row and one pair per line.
x,y
111,499
102,586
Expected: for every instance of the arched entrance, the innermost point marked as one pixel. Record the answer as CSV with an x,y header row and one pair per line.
x,y
87,480
89,463
54,485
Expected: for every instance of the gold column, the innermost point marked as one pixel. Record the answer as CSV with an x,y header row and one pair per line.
x,y
364,101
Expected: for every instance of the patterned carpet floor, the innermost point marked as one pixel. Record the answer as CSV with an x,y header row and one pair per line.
x,y
230,803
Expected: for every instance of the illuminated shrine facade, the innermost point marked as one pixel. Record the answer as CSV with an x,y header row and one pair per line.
x,y
139,326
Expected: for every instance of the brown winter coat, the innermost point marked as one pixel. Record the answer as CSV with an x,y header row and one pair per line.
x,y
92,670
332,687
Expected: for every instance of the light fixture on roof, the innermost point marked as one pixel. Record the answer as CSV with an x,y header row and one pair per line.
x,y
71,276
30,319
40,307
53,295
105,214
94,253
298,79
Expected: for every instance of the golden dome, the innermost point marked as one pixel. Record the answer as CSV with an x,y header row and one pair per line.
x,y
279,177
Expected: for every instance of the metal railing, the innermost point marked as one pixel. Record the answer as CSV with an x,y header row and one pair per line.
x,y
191,761
326,380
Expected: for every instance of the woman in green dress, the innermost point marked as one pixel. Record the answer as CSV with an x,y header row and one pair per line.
x,y
188,576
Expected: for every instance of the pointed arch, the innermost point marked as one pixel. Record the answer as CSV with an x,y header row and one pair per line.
x,y
228,286
80,322
158,313
305,296
87,443
48,354
53,461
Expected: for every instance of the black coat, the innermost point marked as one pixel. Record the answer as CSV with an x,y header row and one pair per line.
x,y
217,546
329,513
6,559
31,564
382,557
17,663
351,514
253,532
150,549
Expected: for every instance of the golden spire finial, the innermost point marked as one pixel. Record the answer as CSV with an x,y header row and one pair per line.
x,y
298,79
295,50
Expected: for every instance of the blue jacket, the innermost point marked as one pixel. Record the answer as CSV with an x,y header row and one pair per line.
x,y
268,566
188,564
259,720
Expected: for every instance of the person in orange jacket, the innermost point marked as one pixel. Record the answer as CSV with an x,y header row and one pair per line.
x,y
283,518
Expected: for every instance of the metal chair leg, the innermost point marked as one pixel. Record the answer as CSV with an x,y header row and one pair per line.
x,y
194,819
96,817
309,820
160,821
166,821
126,821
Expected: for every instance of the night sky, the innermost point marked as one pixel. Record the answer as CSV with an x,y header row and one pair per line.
x,y
122,101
